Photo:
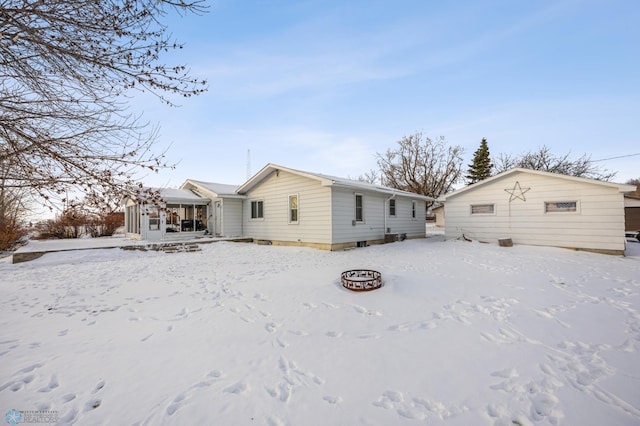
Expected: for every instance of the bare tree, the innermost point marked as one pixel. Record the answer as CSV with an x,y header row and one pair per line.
x,y
422,165
543,159
12,211
66,68
372,176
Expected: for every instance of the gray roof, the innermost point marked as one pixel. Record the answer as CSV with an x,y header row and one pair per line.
x,y
328,180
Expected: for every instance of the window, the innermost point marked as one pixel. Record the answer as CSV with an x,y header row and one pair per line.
x,y
359,208
392,207
483,209
413,209
560,206
293,208
257,210
133,219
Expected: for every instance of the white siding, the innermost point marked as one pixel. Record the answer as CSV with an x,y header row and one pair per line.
x,y
375,212
232,217
343,210
403,222
598,224
314,219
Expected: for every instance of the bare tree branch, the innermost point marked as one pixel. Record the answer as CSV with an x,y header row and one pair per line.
x,y
543,159
421,165
66,67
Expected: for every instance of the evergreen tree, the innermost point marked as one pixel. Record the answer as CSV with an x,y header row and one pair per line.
x,y
481,166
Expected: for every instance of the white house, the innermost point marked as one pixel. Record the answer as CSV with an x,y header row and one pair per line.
x,y
287,206
279,205
540,208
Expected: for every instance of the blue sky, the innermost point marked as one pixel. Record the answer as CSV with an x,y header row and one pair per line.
x,y
323,86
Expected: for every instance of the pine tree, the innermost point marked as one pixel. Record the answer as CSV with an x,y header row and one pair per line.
x,y
481,166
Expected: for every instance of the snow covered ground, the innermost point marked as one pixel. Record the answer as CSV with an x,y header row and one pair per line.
x,y
240,334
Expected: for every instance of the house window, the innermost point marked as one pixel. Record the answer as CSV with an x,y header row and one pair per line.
x,y
257,209
392,207
293,208
359,208
413,209
483,209
133,219
560,206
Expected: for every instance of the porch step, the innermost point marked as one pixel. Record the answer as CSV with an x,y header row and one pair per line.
x,y
176,247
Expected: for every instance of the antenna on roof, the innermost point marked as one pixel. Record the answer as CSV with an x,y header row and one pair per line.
x,y
248,164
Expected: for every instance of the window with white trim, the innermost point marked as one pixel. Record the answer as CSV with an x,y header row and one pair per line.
x,y
293,208
483,208
413,209
392,207
560,206
359,208
257,209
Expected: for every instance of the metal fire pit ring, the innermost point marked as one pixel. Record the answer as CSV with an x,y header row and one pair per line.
x,y
361,280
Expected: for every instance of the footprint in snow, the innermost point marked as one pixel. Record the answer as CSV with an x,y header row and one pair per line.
x,y
68,397
216,374
237,388
332,399
271,327
92,404
53,383
175,404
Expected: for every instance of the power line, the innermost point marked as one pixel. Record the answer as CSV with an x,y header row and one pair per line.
x,y
613,158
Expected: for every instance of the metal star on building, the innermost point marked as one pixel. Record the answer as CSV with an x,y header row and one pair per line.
x,y
517,192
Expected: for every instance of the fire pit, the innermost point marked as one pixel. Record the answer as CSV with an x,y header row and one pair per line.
x,y
361,280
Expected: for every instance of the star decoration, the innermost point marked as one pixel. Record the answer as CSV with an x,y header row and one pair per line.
x,y
517,192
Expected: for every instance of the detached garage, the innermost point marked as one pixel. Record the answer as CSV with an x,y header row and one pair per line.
x,y
539,208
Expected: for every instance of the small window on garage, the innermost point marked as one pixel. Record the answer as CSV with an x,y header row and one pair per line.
x,y
560,206
483,208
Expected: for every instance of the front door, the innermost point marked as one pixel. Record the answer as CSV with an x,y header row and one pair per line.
x,y
155,224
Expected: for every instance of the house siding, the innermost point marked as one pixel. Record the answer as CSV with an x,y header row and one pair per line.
x,y
343,210
597,225
232,217
314,219
403,222
372,229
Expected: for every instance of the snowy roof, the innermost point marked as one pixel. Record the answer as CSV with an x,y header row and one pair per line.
x,y
168,195
326,180
215,189
174,195
619,186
